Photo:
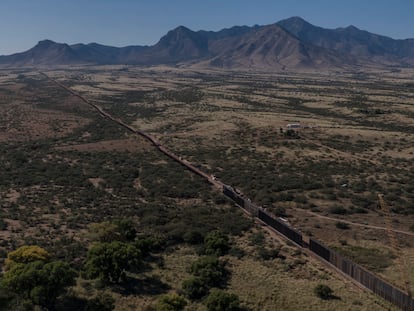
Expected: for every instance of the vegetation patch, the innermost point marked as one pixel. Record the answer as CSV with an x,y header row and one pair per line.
x,y
373,259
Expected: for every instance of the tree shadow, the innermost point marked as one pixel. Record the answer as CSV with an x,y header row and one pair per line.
x,y
70,303
334,297
142,286
331,297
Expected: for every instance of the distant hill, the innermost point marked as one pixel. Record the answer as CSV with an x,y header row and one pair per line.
x,y
269,47
45,52
353,41
291,44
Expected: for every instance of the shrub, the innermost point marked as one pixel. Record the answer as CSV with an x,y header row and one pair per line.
x,y
323,291
219,300
342,225
237,252
338,210
148,244
195,288
300,199
258,239
126,230
207,272
291,134
360,210
120,230
280,211
268,254
3,224
103,232
211,270
193,237
216,243
170,302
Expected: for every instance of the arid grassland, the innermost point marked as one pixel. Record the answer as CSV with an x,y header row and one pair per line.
x,y
70,179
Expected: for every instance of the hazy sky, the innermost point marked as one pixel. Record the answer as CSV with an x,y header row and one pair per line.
x,y
142,22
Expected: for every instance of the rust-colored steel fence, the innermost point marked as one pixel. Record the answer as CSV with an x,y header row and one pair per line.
x,y
363,276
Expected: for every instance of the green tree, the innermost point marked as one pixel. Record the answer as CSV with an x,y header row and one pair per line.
x,y
323,291
26,254
126,230
216,243
110,261
195,288
39,282
170,302
6,298
121,230
104,232
219,300
210,270
149,244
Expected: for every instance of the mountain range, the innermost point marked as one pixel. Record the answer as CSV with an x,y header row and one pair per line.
x,y
290,44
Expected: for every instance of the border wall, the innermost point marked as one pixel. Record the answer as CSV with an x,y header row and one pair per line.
x,y
281,227
363,276
347,266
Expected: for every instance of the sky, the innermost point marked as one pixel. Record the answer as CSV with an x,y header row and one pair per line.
x,y
143,22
